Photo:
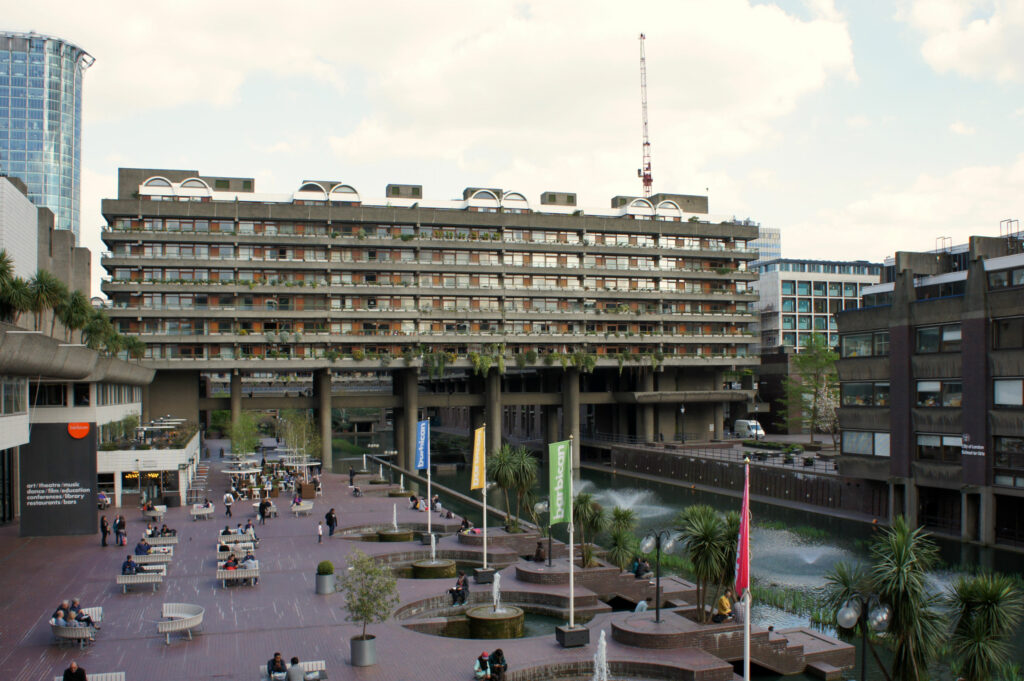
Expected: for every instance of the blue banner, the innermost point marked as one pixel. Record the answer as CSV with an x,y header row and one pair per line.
x,y
422,445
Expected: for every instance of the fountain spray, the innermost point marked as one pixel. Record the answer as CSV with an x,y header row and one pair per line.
x,y
394,517
496,592
433,548
601,660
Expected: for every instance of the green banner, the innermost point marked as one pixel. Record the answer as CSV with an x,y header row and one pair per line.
x,y
560,472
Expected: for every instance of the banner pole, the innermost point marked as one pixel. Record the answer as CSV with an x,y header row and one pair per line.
x,y
572,551
485,506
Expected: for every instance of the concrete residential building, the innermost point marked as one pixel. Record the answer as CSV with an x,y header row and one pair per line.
x,y
647,299
932,390
41,116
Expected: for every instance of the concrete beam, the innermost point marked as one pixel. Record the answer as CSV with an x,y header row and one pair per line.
x,y
322,388
493,409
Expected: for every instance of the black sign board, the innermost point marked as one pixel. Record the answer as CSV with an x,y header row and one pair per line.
x,y
58,480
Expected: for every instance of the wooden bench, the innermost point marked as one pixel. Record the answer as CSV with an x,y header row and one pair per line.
x,y
156,514
80,636
200,512
304,508
153,559
162,541
236,538
179,617
237,549
95,614
105,676
245,576
124,581
318,666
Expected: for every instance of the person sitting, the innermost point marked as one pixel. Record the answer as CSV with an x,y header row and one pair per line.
x,y
356,492
249,561
723,608
424,506
498,665
80,616
150,530
60,619
448,515
460,592
296,501
482,668
641,606
142,548
466,525
231,563
643,570
226,531
414,502
223,547
635,566
277,670
74,673
249,527
296,672
129,566
167,532
147,506
539,556
206,503
435,503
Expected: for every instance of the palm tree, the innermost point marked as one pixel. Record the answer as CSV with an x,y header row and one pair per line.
x,y
73,312
6,268
47,293
622,544
589,518
703,536
986,610
97,330
623,519
501,468
135,346
524,477
902,559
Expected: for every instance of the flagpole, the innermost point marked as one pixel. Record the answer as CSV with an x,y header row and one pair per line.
x,y
572,551
484,491
430,503
746,555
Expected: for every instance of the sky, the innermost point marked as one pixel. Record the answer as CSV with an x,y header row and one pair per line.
x,y
857,128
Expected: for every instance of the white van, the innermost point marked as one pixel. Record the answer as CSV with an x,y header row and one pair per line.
x,y
749,430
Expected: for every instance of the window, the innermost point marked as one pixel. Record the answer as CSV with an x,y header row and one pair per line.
x,y
940,393
835,288
1006,278
865,443
850,290
872,344
1008,468
857,394
803,305
789,339
939,339
819,288
1008,392
788,322
80,395
788,305
47,395
13,399
803,288
1008,333
945,448
788,288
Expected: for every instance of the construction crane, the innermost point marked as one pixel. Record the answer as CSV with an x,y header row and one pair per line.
x,y
644,172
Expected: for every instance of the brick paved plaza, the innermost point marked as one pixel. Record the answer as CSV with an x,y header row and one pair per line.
x,y
245,625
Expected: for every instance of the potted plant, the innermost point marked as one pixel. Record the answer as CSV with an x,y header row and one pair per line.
x,y
325,581
371,593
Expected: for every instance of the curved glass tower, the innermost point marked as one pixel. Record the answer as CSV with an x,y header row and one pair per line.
x,y
41,119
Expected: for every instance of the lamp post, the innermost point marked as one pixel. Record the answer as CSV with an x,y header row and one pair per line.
x,y
545,507
662,540
682,423
868,611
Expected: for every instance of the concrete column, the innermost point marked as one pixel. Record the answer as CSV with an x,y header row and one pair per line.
x,y
492,409
987,517
236,396
571,412
476,417
645,412
719,418
398,434
550,424
410,402
910,501
322,387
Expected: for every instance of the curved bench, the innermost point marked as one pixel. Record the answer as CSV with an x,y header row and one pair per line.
x,y
180,617
105,676
304,508
80,636
156,514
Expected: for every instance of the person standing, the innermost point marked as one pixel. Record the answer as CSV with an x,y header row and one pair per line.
x,y
228,500
263,512
351,476
120,531
319,532
104,530
332,522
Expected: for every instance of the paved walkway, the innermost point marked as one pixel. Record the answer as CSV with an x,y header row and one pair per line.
x,y
243,626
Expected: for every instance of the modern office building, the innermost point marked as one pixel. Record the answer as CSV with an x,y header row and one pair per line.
x,y
932,390
768,245
801,297
488,301
41,120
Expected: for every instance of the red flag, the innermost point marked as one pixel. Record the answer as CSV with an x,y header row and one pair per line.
x,y
743,545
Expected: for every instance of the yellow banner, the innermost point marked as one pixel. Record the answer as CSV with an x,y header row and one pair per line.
x,y
476,480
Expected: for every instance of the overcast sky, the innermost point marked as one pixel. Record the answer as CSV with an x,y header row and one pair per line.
x,y
858,128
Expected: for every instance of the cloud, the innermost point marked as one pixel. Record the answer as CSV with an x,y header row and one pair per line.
x,y
976,38
961,128
967,202
858,122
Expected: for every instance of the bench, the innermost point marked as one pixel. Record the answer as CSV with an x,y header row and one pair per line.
x,y
246,576
318,666
237,549
236,538
80,636
304,508
153,559
271,511
162,541
105,676
124,581
156,514
154,569
179,617
200,512
95,614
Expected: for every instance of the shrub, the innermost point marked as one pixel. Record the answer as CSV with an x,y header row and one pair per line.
x,y
325,567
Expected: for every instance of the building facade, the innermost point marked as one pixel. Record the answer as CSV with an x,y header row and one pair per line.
x,y
932,390
648,299
41,120
768,244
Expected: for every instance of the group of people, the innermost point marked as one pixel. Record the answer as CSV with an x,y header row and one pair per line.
x,y
417,503
641,568
163,531
71,614
120,529
277,670
492,667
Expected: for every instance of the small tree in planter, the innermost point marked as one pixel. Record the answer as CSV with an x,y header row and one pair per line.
x,y
371,593
325,581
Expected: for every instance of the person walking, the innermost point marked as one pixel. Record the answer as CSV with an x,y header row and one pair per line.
x,y
319,532
263,507
120,531
228,500
104,530
332,522
351,476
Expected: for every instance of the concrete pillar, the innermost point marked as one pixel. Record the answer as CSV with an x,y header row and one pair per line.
x,y
571,412
492,409
410,402
476,417
322,387
910,501
987,517
719,418
398,435
236,396
645,412
550,424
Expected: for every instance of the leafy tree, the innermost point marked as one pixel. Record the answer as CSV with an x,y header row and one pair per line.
x,y
622,519
622,547
300,432
590,520
244,434
525,478
371,591
812,386
705,539
6,267
986,610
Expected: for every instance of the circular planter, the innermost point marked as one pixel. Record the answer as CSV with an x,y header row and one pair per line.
x,y
394,535
484,622
378,481
364,651
397,493
433,569
325,584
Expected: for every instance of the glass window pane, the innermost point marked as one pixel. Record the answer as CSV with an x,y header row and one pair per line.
x,y
1009,393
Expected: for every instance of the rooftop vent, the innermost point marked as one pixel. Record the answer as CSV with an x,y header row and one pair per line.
x,y
404,191
558,199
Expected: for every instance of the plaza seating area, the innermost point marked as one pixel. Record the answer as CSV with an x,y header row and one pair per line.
x,y
180,617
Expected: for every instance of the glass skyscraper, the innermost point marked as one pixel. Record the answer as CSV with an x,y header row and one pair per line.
x,y
41,120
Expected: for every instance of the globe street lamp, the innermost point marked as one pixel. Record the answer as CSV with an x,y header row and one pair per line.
x,y
662,540
867,611
544,507
682,423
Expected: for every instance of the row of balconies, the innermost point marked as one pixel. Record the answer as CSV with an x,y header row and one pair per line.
x,y
588,337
